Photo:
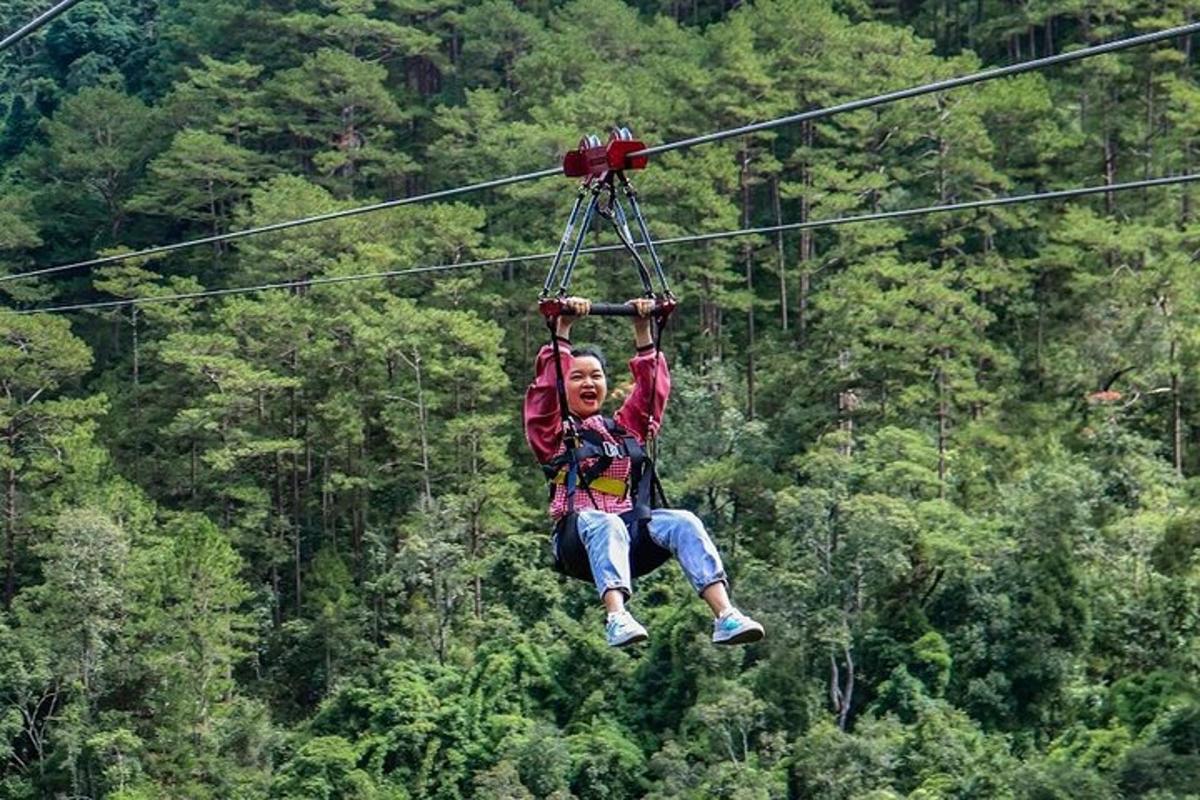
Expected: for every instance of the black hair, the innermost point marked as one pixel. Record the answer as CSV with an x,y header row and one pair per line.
x,y
592,351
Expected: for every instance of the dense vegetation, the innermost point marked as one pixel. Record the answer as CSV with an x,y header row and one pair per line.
x,y
292,545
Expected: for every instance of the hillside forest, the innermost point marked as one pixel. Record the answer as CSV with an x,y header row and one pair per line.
x,y
292,544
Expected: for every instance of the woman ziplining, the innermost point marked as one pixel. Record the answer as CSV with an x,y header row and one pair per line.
x,y
608,529
600,531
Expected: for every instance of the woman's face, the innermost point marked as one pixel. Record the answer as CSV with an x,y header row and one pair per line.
x,y
586,386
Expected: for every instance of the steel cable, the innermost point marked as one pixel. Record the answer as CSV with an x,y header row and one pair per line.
x,y
819,113
970,205
35,23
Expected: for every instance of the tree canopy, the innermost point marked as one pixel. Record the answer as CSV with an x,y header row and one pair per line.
x,y
292,544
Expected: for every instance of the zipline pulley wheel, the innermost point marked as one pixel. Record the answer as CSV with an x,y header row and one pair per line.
x,y
602,168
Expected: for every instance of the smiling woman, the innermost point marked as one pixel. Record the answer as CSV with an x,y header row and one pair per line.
x,y
601,534
587,381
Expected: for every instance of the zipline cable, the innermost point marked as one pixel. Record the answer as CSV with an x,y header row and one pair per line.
x,y
819,113
1060,194
281,226
35,23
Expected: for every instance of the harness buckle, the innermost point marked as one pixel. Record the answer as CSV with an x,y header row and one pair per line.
x,y
611,450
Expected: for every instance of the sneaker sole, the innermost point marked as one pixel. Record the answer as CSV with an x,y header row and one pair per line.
x,y
745,637
637,637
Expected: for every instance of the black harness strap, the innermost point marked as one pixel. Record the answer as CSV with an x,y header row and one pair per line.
x,y
570,435
602,453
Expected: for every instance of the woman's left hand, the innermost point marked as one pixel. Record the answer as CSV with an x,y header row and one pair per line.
x,y
644,306
641,323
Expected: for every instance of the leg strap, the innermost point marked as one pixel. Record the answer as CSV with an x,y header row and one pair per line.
x,y
570,553
571,556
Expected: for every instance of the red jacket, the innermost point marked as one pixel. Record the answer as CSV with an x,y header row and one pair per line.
x,y
543,422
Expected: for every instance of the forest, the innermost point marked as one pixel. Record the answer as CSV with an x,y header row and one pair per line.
x,y
292,544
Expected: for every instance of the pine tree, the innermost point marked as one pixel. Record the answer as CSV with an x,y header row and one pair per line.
x,y
38,359
98,142
200,177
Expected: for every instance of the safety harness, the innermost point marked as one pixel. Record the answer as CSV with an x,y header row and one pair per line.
x,y
567,469
602,169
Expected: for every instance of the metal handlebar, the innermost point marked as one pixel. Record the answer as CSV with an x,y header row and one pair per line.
x,y
553,307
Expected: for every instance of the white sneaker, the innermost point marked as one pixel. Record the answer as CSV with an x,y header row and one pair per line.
x,y
622,629
734,627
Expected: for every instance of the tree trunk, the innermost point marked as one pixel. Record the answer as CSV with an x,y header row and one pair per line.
x,y
297,528
423,430
806,239
848,693
133,313
476,546
298,572
1176,414
1185,194
943,427
748,260
1187,40
710,317
277,611
195,466
1040,338
358,521
1110,171
841,690
847,403
1148,146
476,529
779,253
10,532
281,525
802,314
328,528
328,666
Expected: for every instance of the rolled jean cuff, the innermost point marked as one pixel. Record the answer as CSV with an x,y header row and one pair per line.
x,y
702,584
609,585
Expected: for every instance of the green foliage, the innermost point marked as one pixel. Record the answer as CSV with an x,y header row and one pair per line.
x,y
200,177
292,545
97,146
324,768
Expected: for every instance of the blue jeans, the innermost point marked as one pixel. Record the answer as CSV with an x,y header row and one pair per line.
x,y
607,539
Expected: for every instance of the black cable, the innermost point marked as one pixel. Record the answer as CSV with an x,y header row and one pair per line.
x,y
280,226
986,75
35,23
1060,194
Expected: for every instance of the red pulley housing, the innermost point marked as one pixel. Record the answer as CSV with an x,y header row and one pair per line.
x,y
595,160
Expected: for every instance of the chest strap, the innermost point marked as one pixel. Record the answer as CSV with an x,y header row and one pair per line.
x,y
567,469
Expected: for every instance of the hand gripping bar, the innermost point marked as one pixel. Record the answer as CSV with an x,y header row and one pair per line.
x,y
553,307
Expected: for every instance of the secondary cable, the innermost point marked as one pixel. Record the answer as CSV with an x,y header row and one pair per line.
x,y
819,113
1059,194
35,23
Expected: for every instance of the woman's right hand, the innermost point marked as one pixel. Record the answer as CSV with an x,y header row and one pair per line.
x,y
575,307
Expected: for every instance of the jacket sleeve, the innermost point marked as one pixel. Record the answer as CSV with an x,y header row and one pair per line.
x,y
543,418
648,393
